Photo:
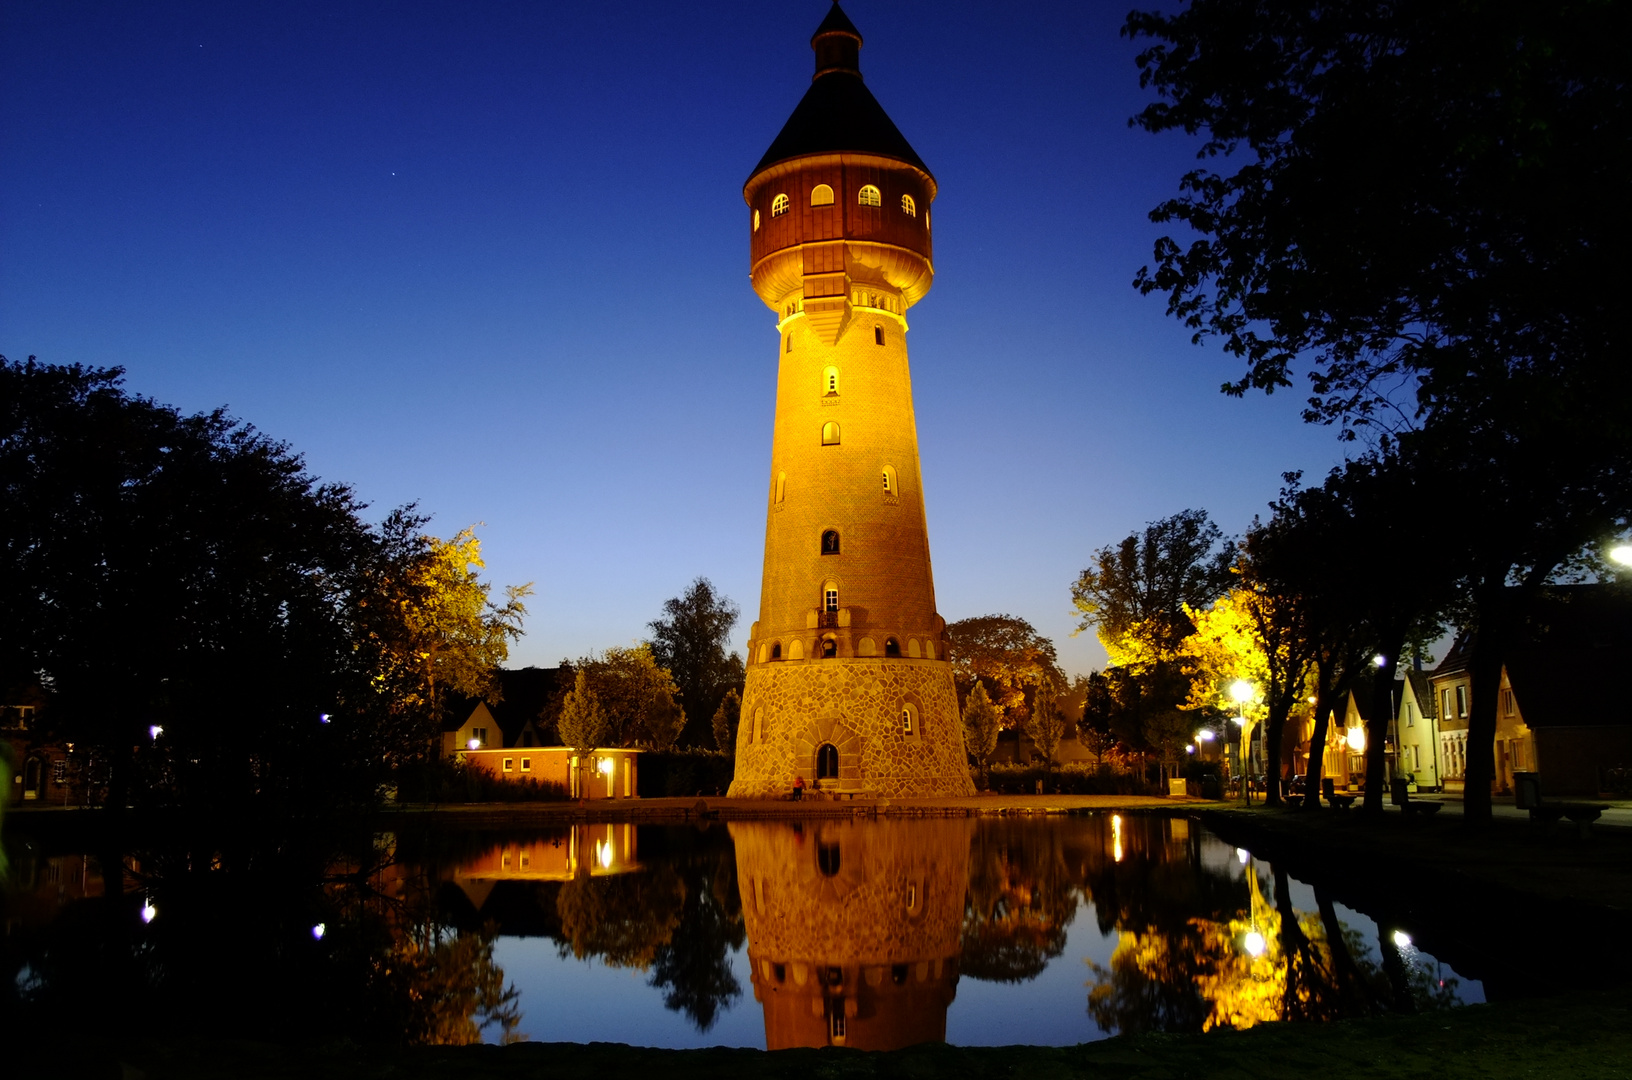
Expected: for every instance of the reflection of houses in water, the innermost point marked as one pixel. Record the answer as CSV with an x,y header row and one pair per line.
x,y
558,856
853,930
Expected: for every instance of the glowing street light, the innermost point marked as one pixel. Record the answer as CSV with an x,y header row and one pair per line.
x,y
1255,944
1380,660
318,930
1622,554
1242,691
1402,940
149,912
474,744
155,731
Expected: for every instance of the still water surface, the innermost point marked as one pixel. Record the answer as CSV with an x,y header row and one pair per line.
x,y
870,934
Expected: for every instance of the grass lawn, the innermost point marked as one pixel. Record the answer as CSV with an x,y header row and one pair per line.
x,y
1583,1037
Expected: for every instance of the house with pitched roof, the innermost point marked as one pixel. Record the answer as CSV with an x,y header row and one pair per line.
x,y
1561,711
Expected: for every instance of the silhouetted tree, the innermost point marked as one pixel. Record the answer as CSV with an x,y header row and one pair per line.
x,y
1415,216
690,641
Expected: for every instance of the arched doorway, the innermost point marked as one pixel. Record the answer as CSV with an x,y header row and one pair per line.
x,y
827,762
33,778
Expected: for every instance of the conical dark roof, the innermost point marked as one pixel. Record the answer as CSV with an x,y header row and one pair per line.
x,y
838,113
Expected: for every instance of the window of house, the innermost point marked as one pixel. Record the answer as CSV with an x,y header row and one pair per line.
x,y
480,735
869,196
830,597
1508,708
830,381
821,195
1461,700
908,206
830,542
878,335
779,206
889,480
1445,703
59,771
830,433
507,762
526,764
1410,715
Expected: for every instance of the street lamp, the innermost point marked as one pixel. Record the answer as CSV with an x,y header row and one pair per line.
x,y
1242,691
1622,554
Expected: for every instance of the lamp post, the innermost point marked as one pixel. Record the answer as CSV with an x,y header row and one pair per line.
x,y
1621,554
1241,690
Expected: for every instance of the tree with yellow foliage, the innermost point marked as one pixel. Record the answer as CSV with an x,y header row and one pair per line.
x,y
430,619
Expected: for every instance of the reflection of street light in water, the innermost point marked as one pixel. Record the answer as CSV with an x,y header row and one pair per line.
x,y
1116,837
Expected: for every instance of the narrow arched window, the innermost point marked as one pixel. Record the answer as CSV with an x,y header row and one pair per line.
x,y
821,195
776,651
779,206
830,542
830,381
790,340
781,485
878,335
756,220
830,597
890,487
830,433
827,768
869,196
908,206
907,725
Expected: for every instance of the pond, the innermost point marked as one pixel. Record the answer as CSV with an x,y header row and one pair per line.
x,y
873,934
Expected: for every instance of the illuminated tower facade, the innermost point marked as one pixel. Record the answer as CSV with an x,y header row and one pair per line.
x,y
847,684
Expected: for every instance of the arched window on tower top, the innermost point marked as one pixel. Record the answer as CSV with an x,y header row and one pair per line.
x,y
869,196
908,206
821,195
779,206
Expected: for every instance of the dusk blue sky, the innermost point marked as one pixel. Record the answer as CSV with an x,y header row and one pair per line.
x,y
493,258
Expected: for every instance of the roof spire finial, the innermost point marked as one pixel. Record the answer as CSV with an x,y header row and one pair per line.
x,y
838,44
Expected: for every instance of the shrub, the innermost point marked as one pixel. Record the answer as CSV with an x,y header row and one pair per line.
x,y
684,772
447,780
1072,779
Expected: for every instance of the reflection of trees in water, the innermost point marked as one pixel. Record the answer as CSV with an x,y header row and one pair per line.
x,y
1199,975
1021,901
621,919
232,951
449,988
693,969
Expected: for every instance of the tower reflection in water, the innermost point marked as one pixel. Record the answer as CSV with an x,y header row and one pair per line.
x,y
853,930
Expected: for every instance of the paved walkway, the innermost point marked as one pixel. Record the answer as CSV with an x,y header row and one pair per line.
x,y
1617,812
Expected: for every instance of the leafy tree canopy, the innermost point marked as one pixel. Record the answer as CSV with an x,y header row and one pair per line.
x,y
1417,205
1004,652
690,640
1136,591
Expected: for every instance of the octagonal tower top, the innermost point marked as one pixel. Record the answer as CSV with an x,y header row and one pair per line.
x,y
841,200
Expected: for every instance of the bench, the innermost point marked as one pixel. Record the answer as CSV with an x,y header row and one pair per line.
x,y
1545,815
1340,802
1400,795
